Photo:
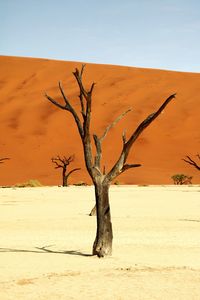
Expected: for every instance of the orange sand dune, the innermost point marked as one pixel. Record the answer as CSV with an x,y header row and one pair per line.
x,y
33,130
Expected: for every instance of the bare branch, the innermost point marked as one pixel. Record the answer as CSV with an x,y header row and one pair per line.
x,y
69,159
84,94
114,123
55,102
119,165
82,106
68,106
190,161
62,162
145,124
97,142
128,166
92,87
82,69
124,137
86,113
60,159
73,170
78,76
57,164
3,159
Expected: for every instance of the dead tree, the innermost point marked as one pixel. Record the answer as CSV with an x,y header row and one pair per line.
x,y
3,159
193,163
63,163
103,242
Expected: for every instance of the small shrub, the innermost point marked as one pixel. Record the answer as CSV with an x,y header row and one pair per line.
x,y
29,183
180,179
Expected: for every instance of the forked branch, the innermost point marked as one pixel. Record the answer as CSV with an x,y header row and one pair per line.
x,y
98,140
119,166
62,162
83,125
93,165
53,101
67,107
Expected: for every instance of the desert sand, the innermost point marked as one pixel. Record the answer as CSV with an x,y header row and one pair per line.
x,y
33,130
47,235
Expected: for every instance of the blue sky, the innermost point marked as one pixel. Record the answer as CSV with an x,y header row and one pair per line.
x,y
153,34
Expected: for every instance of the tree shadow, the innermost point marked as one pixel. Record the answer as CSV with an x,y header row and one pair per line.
x,y
45,249
190,220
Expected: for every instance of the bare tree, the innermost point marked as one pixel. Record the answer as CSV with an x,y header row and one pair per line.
x,y
3,159
193,163
63,163
103,242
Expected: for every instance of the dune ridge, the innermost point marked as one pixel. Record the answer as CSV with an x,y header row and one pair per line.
x,y
33,130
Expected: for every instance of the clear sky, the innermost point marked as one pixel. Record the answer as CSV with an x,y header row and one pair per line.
x,y
162,34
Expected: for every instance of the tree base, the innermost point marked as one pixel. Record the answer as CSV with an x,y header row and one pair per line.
x,y
103,250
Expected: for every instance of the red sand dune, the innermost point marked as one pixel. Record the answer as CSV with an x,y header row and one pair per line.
x,y
33,130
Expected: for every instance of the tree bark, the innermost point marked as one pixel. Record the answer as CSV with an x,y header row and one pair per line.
x,y
103,242
64,177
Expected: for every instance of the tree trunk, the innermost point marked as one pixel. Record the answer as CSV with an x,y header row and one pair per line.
x,y
64,177
65,183
103,242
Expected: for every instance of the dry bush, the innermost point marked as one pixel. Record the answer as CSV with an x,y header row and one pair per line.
x,y
181,179
29,183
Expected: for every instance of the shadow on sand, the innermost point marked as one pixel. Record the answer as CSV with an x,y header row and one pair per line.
x,y
45,250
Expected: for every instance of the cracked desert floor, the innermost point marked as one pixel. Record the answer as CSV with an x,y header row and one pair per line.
x,y
47,236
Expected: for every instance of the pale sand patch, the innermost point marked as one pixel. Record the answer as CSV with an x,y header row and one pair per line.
x,y
156,250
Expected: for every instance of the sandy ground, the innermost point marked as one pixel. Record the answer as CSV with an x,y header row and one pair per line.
x,y
47,235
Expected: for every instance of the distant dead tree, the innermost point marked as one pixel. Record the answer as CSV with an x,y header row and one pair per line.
x,y
63,163
193,163
103,242
3,159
